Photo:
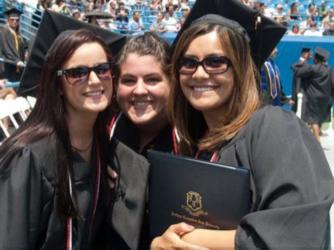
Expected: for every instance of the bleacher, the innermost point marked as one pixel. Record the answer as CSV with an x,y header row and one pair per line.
x,y
30,17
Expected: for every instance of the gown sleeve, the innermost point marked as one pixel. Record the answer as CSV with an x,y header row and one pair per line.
x,y
303,70
20,202
292,185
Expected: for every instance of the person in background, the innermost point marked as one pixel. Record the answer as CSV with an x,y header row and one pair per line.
x,y
305,56
136,23
184,4
293,12
214,86
156,5
185,12
322,10
170,20
122,19
313,30
76,14
142,80
329,31
14,46
139,6
60,7
279,14
311,11
157,25
270,85
112,8
317,86
295,30
122,12
329,18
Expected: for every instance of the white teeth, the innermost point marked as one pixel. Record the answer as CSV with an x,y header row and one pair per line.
x,y
140,104
203,89
94,93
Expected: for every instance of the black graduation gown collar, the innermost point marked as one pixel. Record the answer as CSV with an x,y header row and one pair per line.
x,y
127,132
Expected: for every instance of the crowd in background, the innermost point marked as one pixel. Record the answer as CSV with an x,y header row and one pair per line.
x,y
301,18
125,16
130,16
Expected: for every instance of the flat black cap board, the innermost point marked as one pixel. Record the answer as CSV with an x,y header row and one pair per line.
x,y
53,24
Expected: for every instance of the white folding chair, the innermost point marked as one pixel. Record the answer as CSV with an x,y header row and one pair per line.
x,y
3,115
13,109
7,111
32,101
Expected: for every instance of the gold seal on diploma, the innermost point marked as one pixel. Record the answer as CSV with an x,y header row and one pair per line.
x,y
194,204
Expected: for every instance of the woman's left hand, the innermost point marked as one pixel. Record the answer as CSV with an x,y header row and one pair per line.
x,y
171,238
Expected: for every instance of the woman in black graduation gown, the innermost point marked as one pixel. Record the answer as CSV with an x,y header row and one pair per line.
x,y
53,168
215,86
142,89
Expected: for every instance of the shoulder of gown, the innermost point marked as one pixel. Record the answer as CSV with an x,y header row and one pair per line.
x,y
292,183
24,190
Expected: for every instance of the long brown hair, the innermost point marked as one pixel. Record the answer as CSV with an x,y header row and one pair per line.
x,y
244,99
48,118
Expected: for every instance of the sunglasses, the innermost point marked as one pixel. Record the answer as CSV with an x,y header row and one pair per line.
x,y
211,65
79,75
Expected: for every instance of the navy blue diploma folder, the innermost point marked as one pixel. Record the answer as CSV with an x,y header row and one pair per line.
x,y
204,194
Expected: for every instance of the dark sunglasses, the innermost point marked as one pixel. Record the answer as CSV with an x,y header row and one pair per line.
x,y
211,65
79,75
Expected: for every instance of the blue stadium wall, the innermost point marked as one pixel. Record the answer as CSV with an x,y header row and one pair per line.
x,y
289,51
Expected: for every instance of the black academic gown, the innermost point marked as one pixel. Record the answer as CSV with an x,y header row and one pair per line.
x,y
12,72
291,184
316,85
130,213
126,132
28,200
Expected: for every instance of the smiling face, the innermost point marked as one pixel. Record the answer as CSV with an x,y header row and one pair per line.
x,y
143,90
94,94
207,92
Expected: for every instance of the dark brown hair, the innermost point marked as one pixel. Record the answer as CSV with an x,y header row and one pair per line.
x,y
48,118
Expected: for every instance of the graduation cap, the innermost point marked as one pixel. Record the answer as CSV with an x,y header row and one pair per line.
x,y
321,54
52,24
263,33
13,12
